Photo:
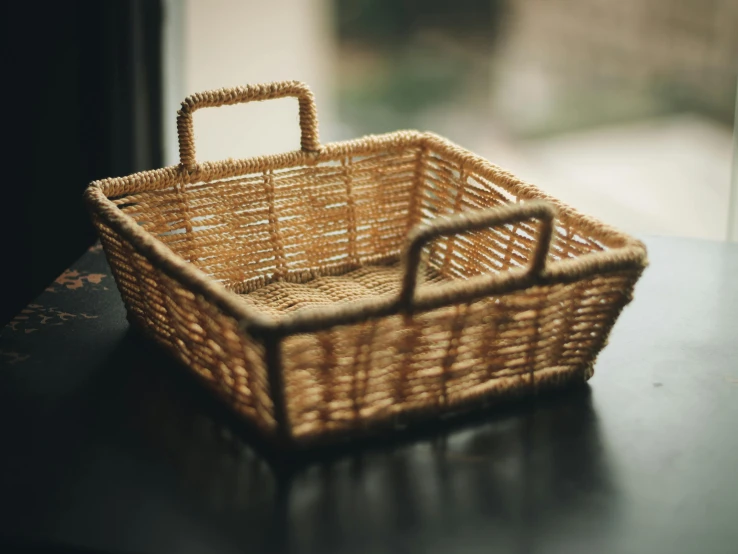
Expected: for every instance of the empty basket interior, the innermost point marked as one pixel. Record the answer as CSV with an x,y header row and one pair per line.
x,y
333,230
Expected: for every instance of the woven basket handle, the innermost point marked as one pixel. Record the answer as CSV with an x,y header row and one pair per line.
x,y
239,95
475,221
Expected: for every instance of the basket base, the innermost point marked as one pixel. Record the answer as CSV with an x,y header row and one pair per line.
x,y
368,281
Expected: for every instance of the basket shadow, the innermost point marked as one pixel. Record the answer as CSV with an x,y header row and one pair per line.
x,y
140,427
529,462
173,395
172,385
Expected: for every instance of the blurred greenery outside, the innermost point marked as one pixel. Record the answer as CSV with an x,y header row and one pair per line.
x,y
400,59
403,60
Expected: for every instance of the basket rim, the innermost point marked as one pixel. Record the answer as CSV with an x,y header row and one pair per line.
x,y
624,252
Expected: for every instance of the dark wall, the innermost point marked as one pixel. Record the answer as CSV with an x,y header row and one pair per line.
x,y
82,101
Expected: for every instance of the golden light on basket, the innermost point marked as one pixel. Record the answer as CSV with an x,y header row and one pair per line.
x,y
342,289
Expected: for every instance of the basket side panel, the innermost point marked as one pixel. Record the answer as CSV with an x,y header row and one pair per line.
x,y
197,333
344,213
355,378
288,223
448,186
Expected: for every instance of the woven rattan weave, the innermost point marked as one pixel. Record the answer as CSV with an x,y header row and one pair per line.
x,y
342,289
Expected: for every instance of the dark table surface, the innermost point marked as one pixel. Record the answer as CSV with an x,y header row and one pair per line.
x,y
108,445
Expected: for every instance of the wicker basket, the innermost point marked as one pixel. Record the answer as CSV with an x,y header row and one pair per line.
x,y
347,288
